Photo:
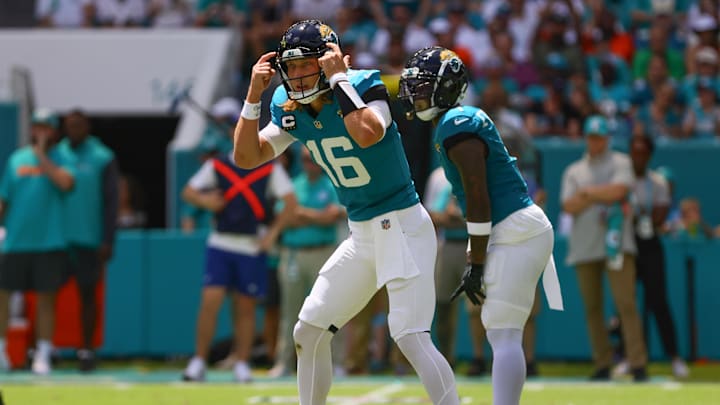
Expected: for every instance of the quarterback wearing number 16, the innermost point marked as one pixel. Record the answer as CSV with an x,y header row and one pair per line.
x,y
511,239
343,117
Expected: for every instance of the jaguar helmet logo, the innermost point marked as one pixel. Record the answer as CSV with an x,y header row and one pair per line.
x,y
451,59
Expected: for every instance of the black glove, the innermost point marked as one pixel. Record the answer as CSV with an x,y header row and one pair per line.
x,y
472,284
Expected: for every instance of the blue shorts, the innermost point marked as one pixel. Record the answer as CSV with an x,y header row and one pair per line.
x,y
244,273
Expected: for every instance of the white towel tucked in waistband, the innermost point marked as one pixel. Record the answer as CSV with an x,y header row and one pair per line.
x,y
551,285
393,258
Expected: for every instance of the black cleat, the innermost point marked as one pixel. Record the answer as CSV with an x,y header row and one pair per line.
x,y
86,360
477,368
531,369
639,374
602,374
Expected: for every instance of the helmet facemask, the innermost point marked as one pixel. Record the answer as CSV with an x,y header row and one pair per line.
x,y
304,39
433,81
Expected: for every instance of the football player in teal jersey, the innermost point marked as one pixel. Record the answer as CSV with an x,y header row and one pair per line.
x,y
511,239
343,117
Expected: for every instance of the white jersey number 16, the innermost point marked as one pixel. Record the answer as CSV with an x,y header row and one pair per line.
x,y
337,175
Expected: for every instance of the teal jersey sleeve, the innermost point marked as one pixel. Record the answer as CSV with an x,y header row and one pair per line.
x,y
83,213
506,187
34,216
369,181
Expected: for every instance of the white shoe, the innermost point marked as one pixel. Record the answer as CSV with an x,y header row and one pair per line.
x,y
242,372
680,368
278,371
339,371
41,365
195,370
4,361
622,368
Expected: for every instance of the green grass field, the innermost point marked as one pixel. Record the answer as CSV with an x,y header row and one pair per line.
x,y
142,385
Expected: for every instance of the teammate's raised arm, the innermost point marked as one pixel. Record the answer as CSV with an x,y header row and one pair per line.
x,y
250,150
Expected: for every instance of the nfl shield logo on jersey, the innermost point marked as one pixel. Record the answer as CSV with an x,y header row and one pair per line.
x,y
385,224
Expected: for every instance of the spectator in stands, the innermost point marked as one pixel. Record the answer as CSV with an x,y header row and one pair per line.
x,y
551,38
651,202
121,13
706,69
65,13
131,213
593,191
267,22
395,62
170,13
700,7
399,21
308,240
91,211
235,258
34,251
549,117
519,18
581,108
705,30
412,13
646,13
522,72
603,33
220,13
691,225
644,90
661,118
658,45
702,118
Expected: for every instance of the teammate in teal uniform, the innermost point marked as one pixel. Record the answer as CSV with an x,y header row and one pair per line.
x,y
343,117
32,189
90,216
511,239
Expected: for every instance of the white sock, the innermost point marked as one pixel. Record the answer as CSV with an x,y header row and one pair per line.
x,y
508,368
2,345
314,363
432,368
44,348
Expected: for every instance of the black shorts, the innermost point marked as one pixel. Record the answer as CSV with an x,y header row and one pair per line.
x,y
85,265
33,271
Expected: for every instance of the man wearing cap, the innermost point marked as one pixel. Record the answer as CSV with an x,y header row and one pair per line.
x,y
90,212
32,190
705,31
594,192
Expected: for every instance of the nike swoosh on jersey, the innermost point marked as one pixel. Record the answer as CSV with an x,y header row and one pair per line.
x,y
459,120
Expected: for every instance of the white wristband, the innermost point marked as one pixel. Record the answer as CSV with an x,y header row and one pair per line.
x,y
250,111
339,76
479,228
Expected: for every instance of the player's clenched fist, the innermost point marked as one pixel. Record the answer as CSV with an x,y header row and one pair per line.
x,y
262,73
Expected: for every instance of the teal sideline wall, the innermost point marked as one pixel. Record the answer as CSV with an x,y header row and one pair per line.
x,y
9,127
153,291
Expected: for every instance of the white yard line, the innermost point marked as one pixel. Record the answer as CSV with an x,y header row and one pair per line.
x,y
376,395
